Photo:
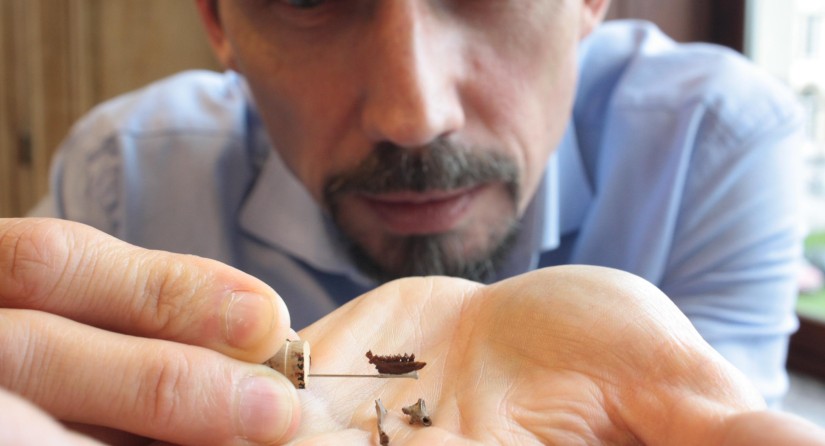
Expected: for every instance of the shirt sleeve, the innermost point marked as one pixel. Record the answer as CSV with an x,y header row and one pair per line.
x,y
137,162
696,163
85,178
737,244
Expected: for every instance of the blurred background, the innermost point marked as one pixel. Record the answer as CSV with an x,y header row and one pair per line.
x,y
61,57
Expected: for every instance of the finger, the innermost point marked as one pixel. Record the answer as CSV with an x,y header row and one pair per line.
x,y
153,388
107,435
80,273
767,428
23,424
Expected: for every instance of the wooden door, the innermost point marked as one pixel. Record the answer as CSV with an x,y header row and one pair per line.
x,y
60,57
717,21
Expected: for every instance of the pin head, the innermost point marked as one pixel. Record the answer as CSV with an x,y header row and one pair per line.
x,y
292,361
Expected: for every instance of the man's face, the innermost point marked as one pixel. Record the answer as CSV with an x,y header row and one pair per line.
x,y
422,126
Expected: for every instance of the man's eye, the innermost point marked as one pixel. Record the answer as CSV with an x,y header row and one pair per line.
x,y
304,4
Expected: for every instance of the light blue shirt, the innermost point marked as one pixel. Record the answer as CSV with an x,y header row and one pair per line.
x,y
679,165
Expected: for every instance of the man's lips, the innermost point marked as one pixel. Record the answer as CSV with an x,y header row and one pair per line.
x,y
420,213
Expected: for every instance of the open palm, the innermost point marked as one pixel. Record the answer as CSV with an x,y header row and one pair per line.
x,y
560,356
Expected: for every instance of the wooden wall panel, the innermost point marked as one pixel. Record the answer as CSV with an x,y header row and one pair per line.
x,y
57,66
45,90
20,178
144,40
7,106
63,56
684,20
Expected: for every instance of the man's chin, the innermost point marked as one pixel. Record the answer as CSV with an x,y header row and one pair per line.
x,y
433,255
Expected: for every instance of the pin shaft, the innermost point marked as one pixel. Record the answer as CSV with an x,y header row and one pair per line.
x,y
411,375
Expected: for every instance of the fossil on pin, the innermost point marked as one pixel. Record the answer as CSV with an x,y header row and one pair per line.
x,y
395,364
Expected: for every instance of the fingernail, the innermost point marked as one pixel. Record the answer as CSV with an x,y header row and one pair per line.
x,y
265,409
249,318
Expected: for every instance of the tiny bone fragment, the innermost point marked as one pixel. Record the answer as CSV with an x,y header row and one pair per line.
x,y
418,413
381,411
395,364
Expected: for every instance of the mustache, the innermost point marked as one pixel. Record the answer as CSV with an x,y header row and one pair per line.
x,y
440,165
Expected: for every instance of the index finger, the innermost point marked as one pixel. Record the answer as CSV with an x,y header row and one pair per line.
x,y
83,274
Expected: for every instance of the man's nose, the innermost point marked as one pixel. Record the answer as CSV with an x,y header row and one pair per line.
x,y
411,92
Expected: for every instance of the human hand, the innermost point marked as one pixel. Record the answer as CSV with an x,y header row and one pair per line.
x,y
569,355
96,332
22,423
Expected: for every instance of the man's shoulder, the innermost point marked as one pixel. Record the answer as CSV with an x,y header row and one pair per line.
x,y
191,101
130,158
639,68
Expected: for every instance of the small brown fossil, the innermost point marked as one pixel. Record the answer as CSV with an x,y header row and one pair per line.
x,y
395,364
418,413
381,412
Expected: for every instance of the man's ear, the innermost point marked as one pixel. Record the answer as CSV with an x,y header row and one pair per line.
x,y
211,18
593,12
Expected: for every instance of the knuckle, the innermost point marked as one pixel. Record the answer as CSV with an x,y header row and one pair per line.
x,y
34,257
165,388
167,287
171,285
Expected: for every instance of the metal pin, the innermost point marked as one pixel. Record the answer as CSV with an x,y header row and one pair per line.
x,y
411,375
293,361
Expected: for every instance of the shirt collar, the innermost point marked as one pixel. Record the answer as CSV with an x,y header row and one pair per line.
x,y
574,187
563,198
280,212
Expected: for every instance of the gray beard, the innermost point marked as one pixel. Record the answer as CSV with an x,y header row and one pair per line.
x,y
441,165
429,255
